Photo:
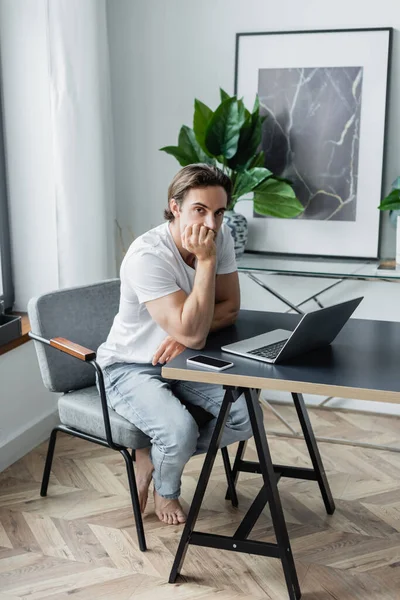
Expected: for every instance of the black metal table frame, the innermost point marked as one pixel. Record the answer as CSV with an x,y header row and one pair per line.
x,y
271,474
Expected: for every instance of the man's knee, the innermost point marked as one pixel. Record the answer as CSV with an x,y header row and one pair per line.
x,y
182,437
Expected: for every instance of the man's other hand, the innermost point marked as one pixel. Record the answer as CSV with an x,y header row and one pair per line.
x,y
167,350
200,241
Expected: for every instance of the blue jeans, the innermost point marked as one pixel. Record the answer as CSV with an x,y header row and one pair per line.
x,y
153,404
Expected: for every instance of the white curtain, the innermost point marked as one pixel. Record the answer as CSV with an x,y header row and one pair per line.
x,y
82,140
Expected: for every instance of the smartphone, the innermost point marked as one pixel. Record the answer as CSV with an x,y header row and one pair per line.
x,y
209,362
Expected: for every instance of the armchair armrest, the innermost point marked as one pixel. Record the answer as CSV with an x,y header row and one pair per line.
x,y
67,346
74,349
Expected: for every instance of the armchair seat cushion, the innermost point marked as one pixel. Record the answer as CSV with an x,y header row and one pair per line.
x,y
81,410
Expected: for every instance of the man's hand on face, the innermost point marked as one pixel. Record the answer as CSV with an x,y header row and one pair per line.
x,y
167,350
200,241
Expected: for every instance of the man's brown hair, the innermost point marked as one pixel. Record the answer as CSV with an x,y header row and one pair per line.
x,y
198,175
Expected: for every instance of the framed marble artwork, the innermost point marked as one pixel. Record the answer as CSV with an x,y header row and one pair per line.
x,y
324,94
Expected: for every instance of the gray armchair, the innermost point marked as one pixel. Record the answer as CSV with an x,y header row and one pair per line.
x,y
75,321
63,320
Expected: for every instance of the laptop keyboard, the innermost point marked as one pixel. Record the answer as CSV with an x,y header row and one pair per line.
x,y
270,351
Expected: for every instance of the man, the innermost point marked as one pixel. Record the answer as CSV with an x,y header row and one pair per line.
x,y
179,281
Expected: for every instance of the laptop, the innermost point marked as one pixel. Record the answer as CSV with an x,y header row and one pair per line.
x,y
315,330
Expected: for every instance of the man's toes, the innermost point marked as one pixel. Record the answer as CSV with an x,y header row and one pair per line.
x,y
181,517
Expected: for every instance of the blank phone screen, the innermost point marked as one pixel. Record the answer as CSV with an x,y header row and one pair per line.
x,y
209,360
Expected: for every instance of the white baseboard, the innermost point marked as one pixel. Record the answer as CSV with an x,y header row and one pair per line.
x,y
33,434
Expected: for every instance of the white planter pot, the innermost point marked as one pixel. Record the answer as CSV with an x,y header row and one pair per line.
x,y
238,225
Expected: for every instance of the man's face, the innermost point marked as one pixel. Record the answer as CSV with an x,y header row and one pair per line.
x,y
205,206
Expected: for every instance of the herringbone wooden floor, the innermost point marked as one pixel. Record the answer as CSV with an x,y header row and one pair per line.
x,y
81,542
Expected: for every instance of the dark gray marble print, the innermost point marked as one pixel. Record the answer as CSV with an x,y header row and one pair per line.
x,y
311,135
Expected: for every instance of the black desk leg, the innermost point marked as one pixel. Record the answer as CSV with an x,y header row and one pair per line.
x,y
235,471
313,450
271,488
201,485
229,477
252,515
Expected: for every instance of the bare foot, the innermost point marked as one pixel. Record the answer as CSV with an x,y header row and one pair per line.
x,y
144,470
168,511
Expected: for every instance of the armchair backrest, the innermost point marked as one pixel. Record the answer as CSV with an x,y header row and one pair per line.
x,y
83,315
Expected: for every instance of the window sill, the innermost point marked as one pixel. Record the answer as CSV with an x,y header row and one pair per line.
x,y
22,339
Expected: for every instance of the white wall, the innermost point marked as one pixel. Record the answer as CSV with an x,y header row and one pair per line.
x,y
27,410
164,54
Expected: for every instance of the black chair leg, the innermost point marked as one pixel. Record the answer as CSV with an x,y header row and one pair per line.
x,y
135,498
313,450
229,478
49,461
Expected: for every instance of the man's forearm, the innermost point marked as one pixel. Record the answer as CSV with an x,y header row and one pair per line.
x,y
198,309
225,314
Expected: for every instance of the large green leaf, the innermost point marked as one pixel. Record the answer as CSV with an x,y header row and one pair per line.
x,y
202,117
276,199
188,151
177,153
256,107
246,181
242,107
256,161
223,131
223,95
249,142
391,202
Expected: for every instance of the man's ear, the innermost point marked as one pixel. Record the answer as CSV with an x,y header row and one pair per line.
x,y
174,207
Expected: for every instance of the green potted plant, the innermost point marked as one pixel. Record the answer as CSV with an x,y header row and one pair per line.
x,y
230,138
392,203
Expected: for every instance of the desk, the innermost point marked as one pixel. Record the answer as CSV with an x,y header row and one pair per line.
x,y
363,362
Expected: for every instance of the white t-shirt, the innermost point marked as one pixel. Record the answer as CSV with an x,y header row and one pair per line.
x,y
152,268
